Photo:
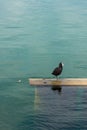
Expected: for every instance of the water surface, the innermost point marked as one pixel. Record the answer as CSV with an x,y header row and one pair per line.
x,y
34,37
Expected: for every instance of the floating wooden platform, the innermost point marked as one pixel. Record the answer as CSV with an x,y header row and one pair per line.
x,y
58,82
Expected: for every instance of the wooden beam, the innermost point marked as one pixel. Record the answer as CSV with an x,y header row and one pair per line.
x,y
58,82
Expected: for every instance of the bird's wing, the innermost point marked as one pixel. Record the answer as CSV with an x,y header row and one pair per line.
x,y
55,70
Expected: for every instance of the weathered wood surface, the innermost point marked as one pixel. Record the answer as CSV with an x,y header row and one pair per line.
x,y
60,82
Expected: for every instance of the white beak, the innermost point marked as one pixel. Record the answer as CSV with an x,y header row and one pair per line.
x,y
62,64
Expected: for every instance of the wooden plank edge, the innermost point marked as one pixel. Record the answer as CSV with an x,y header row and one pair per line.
x,y
59,82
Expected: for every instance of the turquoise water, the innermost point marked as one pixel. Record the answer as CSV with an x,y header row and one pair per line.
x,y
34,37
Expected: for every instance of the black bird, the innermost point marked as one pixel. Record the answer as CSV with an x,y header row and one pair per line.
x,y
57,71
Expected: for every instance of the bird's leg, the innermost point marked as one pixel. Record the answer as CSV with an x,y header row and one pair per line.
x,y
56,77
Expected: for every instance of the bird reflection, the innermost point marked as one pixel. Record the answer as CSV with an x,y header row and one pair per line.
x,y
57,88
